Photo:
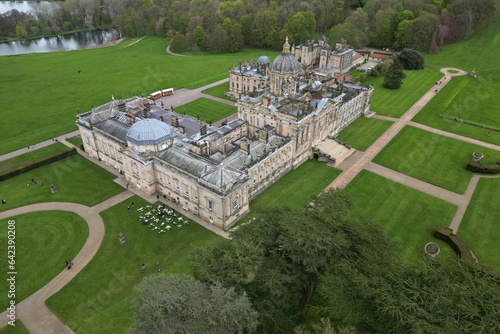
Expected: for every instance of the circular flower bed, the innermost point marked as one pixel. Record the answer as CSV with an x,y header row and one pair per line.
x,y
161,218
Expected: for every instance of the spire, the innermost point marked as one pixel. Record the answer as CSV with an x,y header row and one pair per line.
x,y
286,46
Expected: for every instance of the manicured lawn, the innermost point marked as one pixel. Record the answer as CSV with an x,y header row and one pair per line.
x,y
76,180
363,132
407,216
209,110
18,329
30,157
479,228
99,298
432,158
296,188
218,91
50,110
77,141
473,100
395,102
44,241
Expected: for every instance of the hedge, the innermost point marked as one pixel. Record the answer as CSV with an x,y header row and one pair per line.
x,y
37,164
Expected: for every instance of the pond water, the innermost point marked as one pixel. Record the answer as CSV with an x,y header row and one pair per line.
x,y
74,41
22,6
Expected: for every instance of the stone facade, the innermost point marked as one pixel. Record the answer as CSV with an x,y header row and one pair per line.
x,y
325,58
215,172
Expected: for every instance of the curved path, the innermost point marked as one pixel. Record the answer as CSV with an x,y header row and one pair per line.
x,y
32,311
167,50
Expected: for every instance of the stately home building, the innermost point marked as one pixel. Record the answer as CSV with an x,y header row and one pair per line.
x,y
215,171
248,78
325,58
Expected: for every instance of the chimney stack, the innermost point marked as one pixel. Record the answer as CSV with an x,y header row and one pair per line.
x,y
203,128
182,129
144,113
161,118
121,106
130,119
245,146
175,121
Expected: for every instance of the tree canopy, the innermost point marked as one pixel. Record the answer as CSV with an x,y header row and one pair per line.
x,y
180,304
411,59
394,75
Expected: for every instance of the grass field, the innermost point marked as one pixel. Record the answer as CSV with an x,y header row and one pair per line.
x,y
50,109
18,329
432,158
296,188
407,216
395,102
363,132
44,241
209,110
76,180
218,91
473,100
77,141
99,298
479,228
30,157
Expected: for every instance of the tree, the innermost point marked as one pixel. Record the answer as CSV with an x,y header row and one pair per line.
x,y
381,36
179,304
263,23
178,43
440,296
419,32
200,37
301,26
236,38
284,253
394,75
411,59
21,30
218,40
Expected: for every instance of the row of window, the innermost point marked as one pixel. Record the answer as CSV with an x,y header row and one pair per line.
x,y
280,159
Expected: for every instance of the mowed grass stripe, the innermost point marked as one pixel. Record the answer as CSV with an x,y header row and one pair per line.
x,y
45,240
406,215
432,158
395,102
479,228
208,110
364,132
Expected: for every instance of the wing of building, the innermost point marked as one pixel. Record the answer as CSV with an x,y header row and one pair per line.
x,y
284,112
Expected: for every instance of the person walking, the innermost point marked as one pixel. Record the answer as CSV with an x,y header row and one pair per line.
x,y
143,269
3,201
128,208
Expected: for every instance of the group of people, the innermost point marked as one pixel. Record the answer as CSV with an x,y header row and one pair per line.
x,y
143,269
34,182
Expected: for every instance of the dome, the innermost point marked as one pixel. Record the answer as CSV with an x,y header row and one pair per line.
x,y
149,132
263,60
285,63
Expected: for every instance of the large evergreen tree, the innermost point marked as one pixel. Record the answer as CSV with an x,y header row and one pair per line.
x,y
411,59
179,304
394,75
284,253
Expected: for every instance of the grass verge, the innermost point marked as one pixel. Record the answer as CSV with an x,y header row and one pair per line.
x,y
364,132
